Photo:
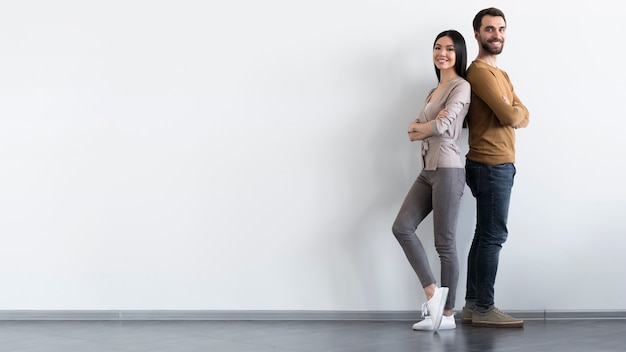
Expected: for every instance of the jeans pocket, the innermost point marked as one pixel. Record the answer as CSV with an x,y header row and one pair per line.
x,y
505,174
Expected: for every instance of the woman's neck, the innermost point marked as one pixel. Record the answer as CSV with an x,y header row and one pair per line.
x,y
445,78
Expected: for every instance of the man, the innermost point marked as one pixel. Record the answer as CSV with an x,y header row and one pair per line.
x,y
495,112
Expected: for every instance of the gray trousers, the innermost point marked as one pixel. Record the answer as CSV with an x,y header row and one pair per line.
x,y
439,191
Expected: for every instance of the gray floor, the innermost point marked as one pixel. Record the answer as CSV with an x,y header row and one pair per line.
x,y
299,336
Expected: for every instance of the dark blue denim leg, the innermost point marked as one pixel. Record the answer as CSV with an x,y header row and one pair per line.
x,y
491,186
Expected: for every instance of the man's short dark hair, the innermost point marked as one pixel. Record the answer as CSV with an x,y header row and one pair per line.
x,y
492,11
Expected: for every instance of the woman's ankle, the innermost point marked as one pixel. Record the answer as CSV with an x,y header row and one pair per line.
x,y
430,291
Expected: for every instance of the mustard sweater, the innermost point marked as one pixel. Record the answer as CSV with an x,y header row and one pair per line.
x,y
491,121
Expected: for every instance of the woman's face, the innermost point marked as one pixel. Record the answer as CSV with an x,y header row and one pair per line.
x,y
444,55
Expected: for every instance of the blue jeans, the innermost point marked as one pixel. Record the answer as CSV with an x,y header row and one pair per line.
x,y
491,186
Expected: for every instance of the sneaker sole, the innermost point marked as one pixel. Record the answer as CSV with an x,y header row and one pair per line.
x,y
466,320
441,327
485,324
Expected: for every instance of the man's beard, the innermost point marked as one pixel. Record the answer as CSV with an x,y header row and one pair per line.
x,y
485,45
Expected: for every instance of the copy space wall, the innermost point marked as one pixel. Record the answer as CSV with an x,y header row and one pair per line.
x,y
252,155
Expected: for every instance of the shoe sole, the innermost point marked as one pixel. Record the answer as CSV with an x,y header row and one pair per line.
x,y
466,320
441,327
485,324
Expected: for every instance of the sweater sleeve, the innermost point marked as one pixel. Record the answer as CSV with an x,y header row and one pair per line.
x,y
457,99
517,104
486,87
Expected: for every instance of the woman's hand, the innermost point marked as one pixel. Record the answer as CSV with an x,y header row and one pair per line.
x,y
414,132
416,136
413,127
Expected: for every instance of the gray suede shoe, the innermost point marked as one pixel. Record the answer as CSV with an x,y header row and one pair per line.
x,y
466,315
495,318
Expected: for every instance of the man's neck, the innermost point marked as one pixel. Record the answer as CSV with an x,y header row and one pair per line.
x,y
491,60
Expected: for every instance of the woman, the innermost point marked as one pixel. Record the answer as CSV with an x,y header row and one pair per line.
x,y
441,182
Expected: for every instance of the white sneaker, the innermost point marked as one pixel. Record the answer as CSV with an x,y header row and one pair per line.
x,y
447,323
436,304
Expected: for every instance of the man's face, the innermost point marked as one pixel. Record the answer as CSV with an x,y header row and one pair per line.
x,y
492,34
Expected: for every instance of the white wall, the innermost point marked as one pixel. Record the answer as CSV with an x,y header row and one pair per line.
x,y
251,155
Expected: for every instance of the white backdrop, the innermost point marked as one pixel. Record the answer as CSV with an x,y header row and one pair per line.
x,y
252,155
